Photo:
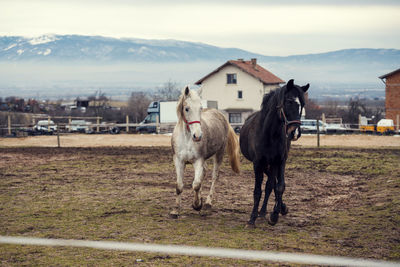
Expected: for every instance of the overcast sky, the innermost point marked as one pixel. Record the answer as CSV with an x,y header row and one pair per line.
x,y
261,26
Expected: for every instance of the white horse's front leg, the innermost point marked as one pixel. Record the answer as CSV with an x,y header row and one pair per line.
x,y
180,169
215,174
199,173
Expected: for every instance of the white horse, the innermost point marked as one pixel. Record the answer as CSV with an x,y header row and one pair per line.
x,y
199,135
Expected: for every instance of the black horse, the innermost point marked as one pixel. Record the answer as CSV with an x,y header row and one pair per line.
x,y
265,140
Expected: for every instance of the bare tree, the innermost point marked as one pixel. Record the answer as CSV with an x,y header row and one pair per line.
x,y
169,91
100,103
313,111
356,108
137,106
332,108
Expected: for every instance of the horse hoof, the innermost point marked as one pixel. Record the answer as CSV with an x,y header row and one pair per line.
x,y
273,219
284,209
198,208
173,215
250,225
207,206
263,218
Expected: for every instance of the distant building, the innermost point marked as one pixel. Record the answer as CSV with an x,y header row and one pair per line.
x,y
392,100
82,103
238,86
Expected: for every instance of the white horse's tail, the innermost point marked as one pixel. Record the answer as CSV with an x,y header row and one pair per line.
x,y
233,150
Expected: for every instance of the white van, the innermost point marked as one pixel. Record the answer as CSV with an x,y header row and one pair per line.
x,y
45,127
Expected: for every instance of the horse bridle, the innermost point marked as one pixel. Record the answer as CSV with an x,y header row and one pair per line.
x,y
189,123
287,123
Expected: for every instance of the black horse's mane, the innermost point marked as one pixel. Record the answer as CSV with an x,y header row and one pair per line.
x,y
271,102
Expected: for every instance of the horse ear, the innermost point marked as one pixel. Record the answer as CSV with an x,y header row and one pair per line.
x,y
186,91
290,84
305,87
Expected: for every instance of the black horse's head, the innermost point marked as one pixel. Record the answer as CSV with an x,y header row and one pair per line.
x,y
291,107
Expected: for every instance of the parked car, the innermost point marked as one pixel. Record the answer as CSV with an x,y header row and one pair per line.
x,y
81,126
335,129
310,126
45,127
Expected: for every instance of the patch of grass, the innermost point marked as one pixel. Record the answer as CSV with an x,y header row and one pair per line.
x,y
346,161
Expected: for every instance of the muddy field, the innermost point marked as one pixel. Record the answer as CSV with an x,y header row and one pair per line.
x,y
343,202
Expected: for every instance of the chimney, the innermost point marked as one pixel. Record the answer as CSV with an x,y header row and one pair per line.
x,y
240,59
254,62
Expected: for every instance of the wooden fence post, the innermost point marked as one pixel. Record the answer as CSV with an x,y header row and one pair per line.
x,y
317,133
9,124
127,124
58,137
98,124
158,124
48,123
69,123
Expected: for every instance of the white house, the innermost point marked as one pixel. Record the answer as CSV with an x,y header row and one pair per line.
x,y
238,86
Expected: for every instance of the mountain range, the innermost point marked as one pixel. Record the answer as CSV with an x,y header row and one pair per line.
x,y
52,64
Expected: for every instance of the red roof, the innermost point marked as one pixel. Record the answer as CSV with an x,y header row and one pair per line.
x,y
250,67
389,74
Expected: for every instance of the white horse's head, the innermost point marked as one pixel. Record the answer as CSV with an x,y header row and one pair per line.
x,y
189,112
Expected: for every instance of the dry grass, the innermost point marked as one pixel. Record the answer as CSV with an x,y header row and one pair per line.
x,y
101,140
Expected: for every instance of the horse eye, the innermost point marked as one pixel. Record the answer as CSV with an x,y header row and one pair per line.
x,y
187,109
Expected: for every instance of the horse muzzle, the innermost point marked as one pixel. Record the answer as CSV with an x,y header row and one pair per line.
x,y
197,138
293,130
196,132
296,134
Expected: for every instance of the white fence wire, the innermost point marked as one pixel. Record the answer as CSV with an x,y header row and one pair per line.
x,y
252,255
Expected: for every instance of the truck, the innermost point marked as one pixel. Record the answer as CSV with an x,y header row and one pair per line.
x,y
81,126
164,112
384,126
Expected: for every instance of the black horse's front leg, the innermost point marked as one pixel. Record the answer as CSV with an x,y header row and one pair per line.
x,y
269,185
278,190
258,171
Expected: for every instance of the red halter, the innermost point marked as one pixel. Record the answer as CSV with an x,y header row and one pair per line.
x,y
190,122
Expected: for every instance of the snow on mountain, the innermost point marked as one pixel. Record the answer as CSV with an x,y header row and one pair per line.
x,y
42,39
104,49
9,47
97,48
73,60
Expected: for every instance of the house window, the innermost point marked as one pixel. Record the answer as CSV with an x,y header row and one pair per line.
x,y
240,95
231,78
235,117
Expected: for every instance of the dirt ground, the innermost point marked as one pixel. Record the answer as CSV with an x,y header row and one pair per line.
x,y
98,140
342,201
